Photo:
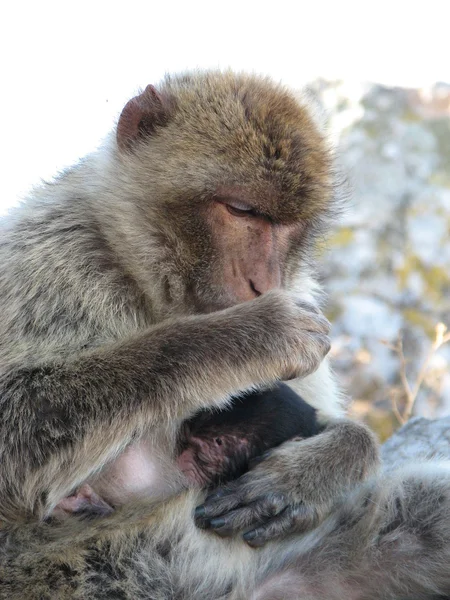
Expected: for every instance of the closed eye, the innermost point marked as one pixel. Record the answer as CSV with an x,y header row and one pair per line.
x,y
239,209
241,212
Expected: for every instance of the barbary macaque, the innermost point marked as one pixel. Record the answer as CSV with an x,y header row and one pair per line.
x,y
166,273
162,275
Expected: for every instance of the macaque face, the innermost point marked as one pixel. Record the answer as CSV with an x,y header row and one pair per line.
x,y
251,247
230,251
214,456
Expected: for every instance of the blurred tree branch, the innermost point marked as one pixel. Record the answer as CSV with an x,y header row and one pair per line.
x,y
410,391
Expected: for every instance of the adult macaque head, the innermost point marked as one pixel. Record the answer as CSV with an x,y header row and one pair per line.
x,y
240,175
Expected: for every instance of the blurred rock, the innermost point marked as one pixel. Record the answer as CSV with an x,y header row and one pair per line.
x,y
387,269
418,439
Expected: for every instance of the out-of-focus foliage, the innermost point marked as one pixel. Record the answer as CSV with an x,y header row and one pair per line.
x,y
387,268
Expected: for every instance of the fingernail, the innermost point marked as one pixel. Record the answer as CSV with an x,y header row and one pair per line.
x,y
200,511
217,523
250,535
255,543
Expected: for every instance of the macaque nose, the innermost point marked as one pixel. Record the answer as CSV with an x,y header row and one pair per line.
x,y
253,288
265,282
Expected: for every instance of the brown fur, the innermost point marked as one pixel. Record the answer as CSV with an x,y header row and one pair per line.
x,y
120,319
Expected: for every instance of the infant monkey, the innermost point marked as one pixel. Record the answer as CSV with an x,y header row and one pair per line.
x,y
217,447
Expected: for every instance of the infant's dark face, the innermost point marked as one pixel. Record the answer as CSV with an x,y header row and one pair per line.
x,y
208,457
217,446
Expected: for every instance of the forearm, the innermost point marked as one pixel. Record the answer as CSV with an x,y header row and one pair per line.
x,y
63,421
346,453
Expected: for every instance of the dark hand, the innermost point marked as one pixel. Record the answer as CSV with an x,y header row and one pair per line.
x,y
293,488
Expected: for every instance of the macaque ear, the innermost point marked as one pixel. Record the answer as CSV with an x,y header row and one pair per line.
x,y
141,116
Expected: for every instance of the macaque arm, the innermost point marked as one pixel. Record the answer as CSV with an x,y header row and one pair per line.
x,y
63,421
296,485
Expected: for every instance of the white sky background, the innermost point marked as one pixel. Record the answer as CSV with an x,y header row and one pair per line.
x,y
67,69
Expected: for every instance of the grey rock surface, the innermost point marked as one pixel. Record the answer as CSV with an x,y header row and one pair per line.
x,y
419,439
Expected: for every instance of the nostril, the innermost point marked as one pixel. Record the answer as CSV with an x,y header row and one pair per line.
x,y
254,290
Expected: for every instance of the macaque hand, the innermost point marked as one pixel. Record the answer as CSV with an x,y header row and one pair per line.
x,y
292,488
291,335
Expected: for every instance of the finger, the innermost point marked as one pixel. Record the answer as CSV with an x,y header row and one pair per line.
x,y
215,508
296,518
319,345
218,493
316,324
256,513
306,306
236,520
